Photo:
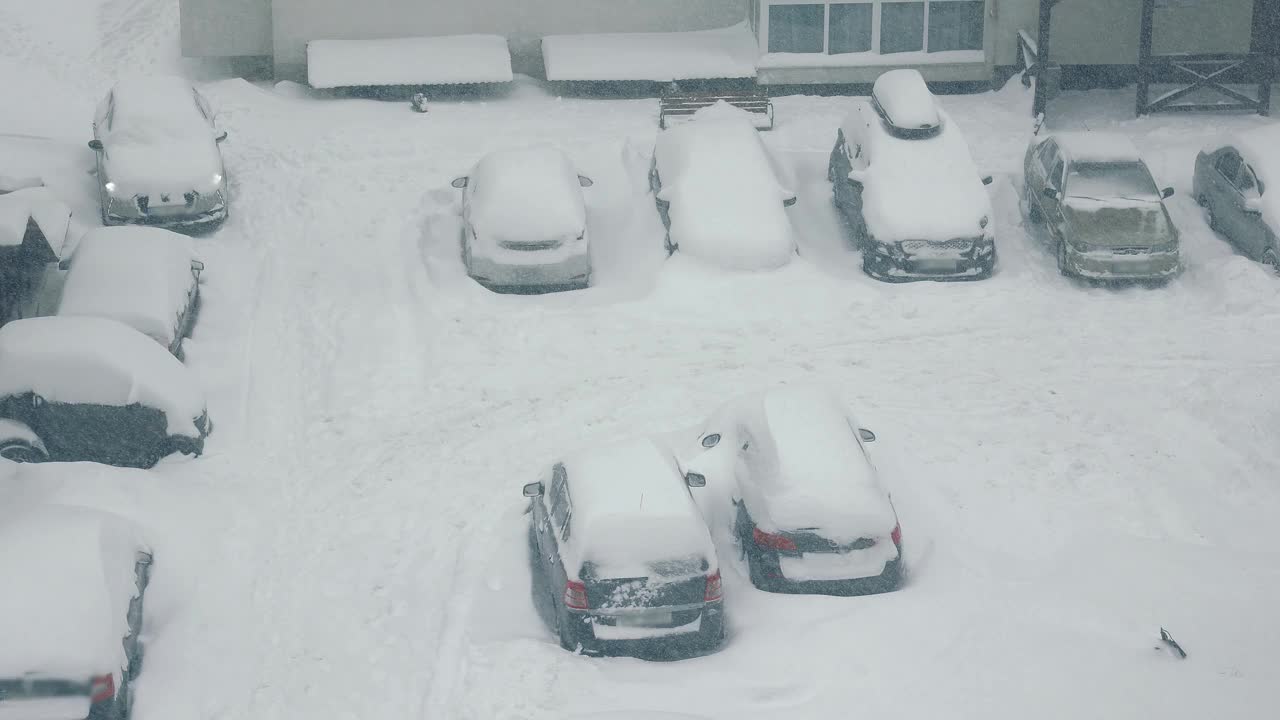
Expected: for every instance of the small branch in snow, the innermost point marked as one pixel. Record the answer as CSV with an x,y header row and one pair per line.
x,y
1173,644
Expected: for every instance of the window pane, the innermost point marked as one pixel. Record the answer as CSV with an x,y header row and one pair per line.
x,y
901,27
795,28
850,29
955,25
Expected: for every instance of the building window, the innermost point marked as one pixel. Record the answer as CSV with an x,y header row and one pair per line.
x,y
849,28
901,27
955,25
796,28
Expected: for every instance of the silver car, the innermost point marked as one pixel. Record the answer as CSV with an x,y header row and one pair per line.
x,y
158,157
1230,182
1106,219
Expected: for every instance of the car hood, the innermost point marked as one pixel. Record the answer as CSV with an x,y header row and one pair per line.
x,y
1118,223
171,166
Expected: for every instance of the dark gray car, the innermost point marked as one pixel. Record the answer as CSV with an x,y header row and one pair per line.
x,y
1230,184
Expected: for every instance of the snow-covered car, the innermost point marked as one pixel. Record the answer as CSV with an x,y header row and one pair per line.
x,y
34,227
1106,218
147,278
903,178
94,389
721,193
1230,182
621,560
71,616
158,157
809,509
524,221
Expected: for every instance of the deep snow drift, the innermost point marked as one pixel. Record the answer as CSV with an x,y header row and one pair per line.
x,y
1073,466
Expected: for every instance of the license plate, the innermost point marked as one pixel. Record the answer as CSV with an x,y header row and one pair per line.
x,y
645,619
934,266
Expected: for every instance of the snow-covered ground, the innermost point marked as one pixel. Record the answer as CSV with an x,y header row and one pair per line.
x,y
1074,467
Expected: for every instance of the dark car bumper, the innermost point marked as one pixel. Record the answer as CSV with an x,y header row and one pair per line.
x,y
771,579
886,263
708,636
1110,265
195,219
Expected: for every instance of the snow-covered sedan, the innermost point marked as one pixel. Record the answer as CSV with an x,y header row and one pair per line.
x,y
621,560
147,278
809,509
71,615
1231,181
903,178
1106,218
721,193
94,389
158,157
524,221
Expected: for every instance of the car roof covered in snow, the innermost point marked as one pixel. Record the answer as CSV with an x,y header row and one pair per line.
x,y
526,195
631,507
91,360
1097,147
68,575
908,173
140,276
726,190
147,106
811,470
905,100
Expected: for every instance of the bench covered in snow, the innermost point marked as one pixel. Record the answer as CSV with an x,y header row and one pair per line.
x,y
677,107
444,60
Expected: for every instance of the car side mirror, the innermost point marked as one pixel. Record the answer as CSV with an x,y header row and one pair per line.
x,y
866,435
789,201
1051,193
585,181
221,136
533,490
987,180
95,145
459,183
1166,193
711,440
695,480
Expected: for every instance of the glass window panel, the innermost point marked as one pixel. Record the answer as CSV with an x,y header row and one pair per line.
x,y
796,28
955,25
850,29
901,27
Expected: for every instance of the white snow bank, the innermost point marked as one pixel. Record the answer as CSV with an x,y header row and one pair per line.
x,y
10,183
724,53
91,360
1098,147
726,197
69,575
631,508
905,100
141,276
526,195
444,60
51,215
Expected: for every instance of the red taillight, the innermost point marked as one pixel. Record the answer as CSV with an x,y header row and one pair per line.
x,y
713,587
102,688
575,595
897,535
773,542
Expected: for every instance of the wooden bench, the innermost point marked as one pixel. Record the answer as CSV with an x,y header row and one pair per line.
x,y
681,106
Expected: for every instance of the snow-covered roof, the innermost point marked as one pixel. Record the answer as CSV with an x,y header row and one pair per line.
x,y
631,507
725,191
907,174
443,60
724,53
99,361
1097,147
148,107
140,276
52,216
905,100
68,575
526,195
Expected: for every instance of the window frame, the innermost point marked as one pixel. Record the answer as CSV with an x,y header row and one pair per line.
x,y
762,24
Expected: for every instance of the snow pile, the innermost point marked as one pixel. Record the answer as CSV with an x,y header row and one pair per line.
x,y
526,195
662,57
75,569
10,183
150,108
907,175
50,214
631,509
445,60
140,276
1097,147
1261,149
905,100
726,197
88,360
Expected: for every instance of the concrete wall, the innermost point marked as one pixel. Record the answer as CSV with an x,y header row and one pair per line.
x,y
522,21
225,28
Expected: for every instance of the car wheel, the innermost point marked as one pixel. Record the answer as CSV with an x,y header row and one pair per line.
x,y
1062,258
22,452
1203,202
1033,212
1270,259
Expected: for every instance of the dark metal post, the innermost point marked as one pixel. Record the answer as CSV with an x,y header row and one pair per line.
x,y
1041,101
1144,55
1266,23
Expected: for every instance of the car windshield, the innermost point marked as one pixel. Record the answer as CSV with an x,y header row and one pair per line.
x,y
1129,180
